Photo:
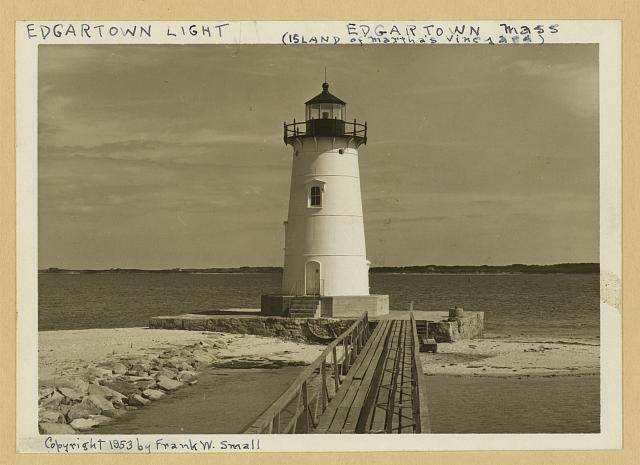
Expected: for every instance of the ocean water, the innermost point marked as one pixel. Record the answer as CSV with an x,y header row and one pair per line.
x,y
515,305
556,307
479,404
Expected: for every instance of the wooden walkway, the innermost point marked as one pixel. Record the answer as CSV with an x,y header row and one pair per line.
x,y
375,385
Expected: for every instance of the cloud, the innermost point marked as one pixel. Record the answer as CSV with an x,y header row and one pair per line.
x,y
157,155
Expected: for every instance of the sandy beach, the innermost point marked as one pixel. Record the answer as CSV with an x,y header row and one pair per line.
x,y
63,352
514,357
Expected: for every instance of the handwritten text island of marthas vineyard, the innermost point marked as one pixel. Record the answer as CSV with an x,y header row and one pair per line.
x,y
306,34
146,446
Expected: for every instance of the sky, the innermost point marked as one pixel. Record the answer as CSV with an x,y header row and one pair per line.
x,y
167,156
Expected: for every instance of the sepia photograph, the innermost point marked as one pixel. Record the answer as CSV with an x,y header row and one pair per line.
x,y
266,239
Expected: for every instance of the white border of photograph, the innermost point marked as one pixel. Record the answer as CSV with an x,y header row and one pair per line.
x,y
605,33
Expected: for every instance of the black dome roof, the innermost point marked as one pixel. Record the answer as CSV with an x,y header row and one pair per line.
x,y
325,97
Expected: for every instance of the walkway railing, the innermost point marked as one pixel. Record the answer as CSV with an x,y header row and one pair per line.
x,y
298,409
419,397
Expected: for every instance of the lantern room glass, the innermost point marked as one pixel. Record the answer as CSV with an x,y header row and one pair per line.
x,y
326,111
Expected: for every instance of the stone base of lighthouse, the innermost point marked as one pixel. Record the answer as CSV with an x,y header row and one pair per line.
x,y
306,306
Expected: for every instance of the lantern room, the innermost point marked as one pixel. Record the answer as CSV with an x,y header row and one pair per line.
x,y
325,116
326,106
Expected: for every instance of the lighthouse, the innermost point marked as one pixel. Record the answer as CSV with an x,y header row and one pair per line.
x,y
326,271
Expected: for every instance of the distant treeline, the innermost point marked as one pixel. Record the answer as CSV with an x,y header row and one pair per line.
x,y
242,269
516,268
426,269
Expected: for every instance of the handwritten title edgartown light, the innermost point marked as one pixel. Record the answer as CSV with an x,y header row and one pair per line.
x,y
139,31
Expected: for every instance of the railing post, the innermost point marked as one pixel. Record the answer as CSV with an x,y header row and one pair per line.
x,y
336,374
324,394
305,406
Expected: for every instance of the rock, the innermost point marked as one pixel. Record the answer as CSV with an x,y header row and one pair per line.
x,y
53,400
153,394
51,416
168,384
134,379
82,411
122,387
81,386
119,368
169,372
101,419
69,393
201,355
137,400
193,381
55,428
97,401
105,392
138,370
83,424
115,413
45,392
145,384
186,376
72,382
184,366
99,372
176,362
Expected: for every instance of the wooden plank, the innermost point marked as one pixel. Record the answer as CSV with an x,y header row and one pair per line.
x,y
391,418
421,401
343,409
376,421
378,337
366,393
326,419
396,394
347,414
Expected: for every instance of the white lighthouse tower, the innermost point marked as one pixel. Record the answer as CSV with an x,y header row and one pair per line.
x,y
326,272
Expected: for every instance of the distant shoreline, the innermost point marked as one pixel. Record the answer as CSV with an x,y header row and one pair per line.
x,y
561,268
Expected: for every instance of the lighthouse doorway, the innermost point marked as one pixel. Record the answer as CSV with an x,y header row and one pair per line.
x,y
312,278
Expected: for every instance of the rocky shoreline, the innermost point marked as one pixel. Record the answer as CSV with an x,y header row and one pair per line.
x,y
79,395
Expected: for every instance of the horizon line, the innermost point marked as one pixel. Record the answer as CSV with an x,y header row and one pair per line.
x,y
281,267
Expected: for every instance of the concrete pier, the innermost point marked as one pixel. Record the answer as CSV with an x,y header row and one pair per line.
x,y
441,327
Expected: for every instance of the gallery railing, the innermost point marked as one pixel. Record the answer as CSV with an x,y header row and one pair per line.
x,y
299,408
325,128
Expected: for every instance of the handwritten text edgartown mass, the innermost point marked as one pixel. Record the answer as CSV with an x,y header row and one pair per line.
x,y
428,34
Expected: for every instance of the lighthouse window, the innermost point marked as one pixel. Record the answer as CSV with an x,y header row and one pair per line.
x,y
313,111
326,110
337,111
315,196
